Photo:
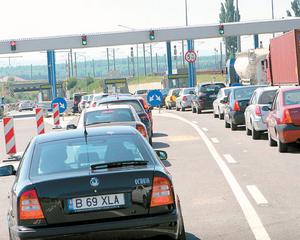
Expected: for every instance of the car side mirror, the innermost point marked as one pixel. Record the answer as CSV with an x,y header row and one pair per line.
x,y
8,170
163,156
266,108
71,126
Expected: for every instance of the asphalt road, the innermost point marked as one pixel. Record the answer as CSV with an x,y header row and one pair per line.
x,y
230,186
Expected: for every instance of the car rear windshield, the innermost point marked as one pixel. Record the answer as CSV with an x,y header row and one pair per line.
x,y
227,92
267,97
244,93
141,91
134,103
292,97
77,154
189,91
175,92
210,88
85,98
109,115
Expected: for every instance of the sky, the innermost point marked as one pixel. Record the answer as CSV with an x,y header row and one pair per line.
x,y
42,18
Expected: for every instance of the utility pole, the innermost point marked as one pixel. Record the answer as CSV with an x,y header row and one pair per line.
x,y
128,63
107,56
175,56
69,66
137,65
114,59
156,59
273,15
72,69
75,66
144,55
238,37
132,61
221,57
183,62
30,72
151,59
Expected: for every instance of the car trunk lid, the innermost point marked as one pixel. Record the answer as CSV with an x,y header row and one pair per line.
x,y
110,193
294,112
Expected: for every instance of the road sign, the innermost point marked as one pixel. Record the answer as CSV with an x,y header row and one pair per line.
x,y
62,103
190,56
155,98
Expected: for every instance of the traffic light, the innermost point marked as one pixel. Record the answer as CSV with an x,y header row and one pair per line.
x,y
13,45
221,29
84,40
152,35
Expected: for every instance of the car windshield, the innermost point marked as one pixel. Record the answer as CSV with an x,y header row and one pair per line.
x,y
109,115
244,93
77,154
188,91
210,88
267,97
134,103
292,97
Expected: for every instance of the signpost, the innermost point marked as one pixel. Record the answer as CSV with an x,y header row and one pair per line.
x,y
190,56
155,98
62,104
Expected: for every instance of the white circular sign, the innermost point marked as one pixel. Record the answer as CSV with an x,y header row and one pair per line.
x,y
191,56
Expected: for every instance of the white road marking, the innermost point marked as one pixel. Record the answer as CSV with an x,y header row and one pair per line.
x,y
229,158
250,214
257,195
205,129
215,140
195,122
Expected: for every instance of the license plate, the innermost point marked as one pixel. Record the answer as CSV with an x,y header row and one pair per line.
x,y
96,202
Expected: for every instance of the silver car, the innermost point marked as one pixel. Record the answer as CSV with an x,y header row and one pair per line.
x,y
258,110
184,100
219,103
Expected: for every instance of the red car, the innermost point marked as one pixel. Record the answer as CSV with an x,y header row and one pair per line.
x,y
284,119
148,110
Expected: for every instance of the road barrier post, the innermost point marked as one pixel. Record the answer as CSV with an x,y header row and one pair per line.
x,y
9,134
39,121
56,116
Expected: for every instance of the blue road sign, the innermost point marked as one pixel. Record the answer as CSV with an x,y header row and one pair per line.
x,y
154,98
62,103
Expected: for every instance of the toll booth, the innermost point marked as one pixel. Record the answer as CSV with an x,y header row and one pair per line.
x,y
46,92
176,81
115,85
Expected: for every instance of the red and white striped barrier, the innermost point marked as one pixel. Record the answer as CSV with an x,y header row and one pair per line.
x,y
56,116
39,121
9,134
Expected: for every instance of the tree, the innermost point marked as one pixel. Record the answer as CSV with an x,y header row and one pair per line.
x,y
229,14
295,4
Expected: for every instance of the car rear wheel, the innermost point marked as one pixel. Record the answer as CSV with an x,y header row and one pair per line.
x,y
227,125
272,143
248,131
216,115
255,134
282,147
198,111
233,126
177,108
193,110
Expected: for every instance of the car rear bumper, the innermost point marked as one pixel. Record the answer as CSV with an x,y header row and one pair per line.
x,y
205,105
167,225
288,133
259,125
237,118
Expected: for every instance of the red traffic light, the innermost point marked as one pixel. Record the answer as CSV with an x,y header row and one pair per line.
x,y
13,45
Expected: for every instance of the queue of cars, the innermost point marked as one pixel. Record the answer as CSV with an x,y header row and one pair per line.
x,y
99,179
261,109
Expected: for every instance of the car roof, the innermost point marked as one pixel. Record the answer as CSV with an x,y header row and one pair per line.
x,y
108,106
289,88
112,98
249,86
79,133
266,89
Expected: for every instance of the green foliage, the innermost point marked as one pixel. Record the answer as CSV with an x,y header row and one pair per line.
x,y
72,83
229,13
89,80
295,4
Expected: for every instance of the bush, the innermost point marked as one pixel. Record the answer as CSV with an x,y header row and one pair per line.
x,y
72,83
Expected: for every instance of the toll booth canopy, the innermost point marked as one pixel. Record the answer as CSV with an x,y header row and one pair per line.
x,y
46,92
116,85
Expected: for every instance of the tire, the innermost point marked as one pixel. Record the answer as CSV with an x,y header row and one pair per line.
x,y
255,134
181,235
227,125
233,126
272,143
193,110
177,109
198,111
221,116
182,108
216,115
282,147
248,131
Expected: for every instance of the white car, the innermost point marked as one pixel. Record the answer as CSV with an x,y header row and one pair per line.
x,y
96,98
184,100
219,103
26,105
258,110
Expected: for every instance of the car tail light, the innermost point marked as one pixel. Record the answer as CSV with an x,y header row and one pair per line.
x,y
184,98
236,106
172,98
257,111
94,104
145,105
29,206
142,130
162,192
286,117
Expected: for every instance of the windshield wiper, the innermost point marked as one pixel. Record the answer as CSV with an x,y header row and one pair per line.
x,y
118,164
95,123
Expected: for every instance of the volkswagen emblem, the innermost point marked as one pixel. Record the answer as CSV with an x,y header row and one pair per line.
x,y
94,182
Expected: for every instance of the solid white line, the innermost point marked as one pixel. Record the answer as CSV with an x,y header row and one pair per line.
x,y
215,140
195,122
205,129
229,158
257,195
251,216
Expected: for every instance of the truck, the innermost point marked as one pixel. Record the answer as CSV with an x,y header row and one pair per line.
x,y
283,60
251,68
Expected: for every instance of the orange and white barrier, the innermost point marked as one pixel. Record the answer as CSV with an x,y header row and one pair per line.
x,y
39,121
9,133
56,116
